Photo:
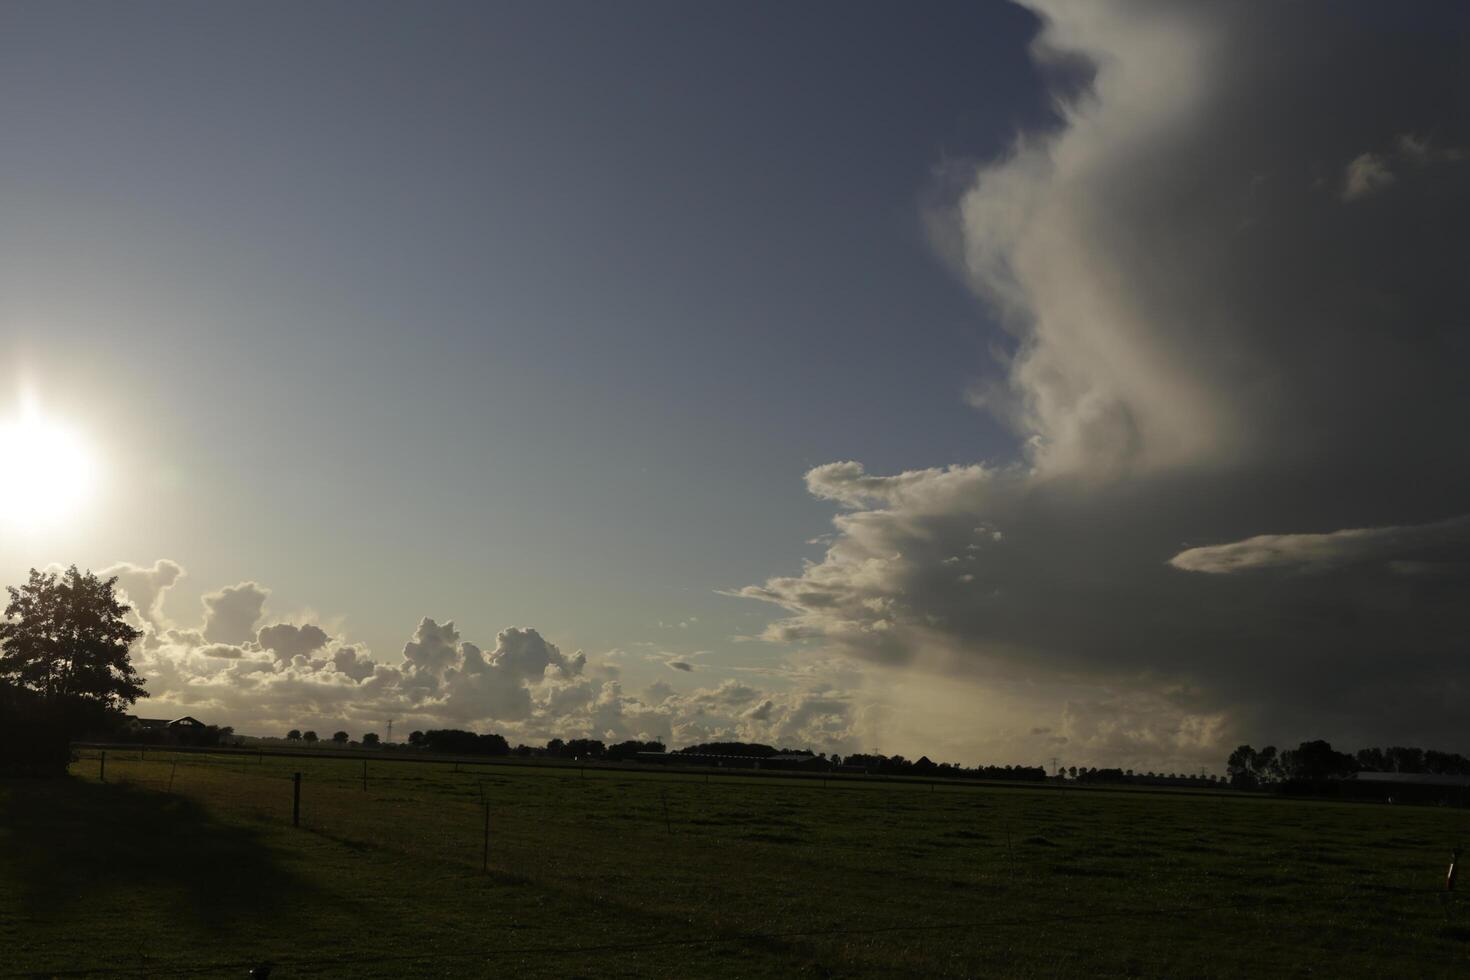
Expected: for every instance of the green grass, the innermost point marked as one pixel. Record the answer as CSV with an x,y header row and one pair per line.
x,y
745,877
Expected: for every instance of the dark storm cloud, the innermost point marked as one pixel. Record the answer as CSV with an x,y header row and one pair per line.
x,y
1234,282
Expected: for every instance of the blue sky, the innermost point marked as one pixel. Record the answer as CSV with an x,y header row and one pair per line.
x,y
523,313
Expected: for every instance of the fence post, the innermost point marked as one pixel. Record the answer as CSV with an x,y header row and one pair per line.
x,y
102,767
364,775
171,775
296,800
485,856
667,826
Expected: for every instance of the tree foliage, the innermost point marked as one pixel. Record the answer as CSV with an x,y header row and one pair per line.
x,y
65,638
454,741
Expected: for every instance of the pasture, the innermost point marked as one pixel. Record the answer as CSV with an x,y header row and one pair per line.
x,y
189,866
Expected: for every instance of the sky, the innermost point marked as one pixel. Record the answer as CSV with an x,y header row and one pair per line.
x,y
995,382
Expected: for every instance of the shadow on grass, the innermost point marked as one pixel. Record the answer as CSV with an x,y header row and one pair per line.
x,y
69,843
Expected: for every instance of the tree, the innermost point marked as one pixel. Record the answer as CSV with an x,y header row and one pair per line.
x,y
1317,760
1242,768
577,748
630,749
1403,759
340,737
416,739
294,735
370,740
65,638
310,737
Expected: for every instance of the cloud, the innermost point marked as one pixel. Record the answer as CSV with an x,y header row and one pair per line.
x,y
1369,544
1201,344
762,711
293,676
145,588
230,614
357,666
679,665
287,641
223,651
1366,173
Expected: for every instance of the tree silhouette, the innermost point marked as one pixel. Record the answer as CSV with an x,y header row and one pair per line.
x,y
294,735
309,736
340,738
370,740
65,638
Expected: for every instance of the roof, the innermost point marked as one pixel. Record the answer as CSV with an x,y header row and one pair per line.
x,y
188,721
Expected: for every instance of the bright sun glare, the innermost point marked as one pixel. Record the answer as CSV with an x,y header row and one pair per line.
x,y
47,473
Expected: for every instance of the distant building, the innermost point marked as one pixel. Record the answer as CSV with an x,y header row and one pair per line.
x,y
186,725
1406,787
702,759
796,760
782,760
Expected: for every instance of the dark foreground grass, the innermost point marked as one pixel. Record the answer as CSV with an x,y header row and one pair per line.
x,y
616,874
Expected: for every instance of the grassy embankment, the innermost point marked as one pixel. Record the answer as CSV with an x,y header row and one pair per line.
x,y
632,874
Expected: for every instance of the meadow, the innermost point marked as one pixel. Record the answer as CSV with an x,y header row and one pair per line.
x,y
188,865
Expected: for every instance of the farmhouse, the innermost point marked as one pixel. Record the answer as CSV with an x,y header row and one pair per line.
x,y
183,726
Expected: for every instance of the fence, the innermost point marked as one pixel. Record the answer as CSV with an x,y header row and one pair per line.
x,y
850,860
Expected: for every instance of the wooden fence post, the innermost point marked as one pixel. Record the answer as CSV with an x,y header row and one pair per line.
x,y
102,767
296,800
485,855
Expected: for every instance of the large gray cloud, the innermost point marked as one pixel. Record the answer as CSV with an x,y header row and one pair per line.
x,y
1233,281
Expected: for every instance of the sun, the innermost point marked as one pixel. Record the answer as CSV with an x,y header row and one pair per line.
x,y
47,472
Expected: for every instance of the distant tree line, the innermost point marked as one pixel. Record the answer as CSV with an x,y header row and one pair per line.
x,y
1083,774
455,741
897,765
1316,761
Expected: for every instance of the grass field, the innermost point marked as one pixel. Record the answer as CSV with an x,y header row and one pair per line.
x,y
618,874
